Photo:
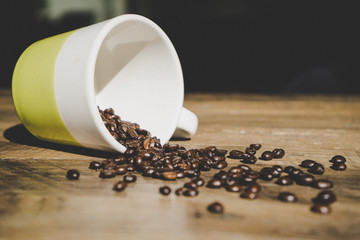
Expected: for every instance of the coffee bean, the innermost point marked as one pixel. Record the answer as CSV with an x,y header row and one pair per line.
x,y
305,179
254,187
284,181
294,173
217,158
165,190
287,197
267,155
325,197
266,174
317,169
216,207
321,208
248,195
171,147
322,184
278,153
214,183
190,185
220,165
95,165
121,170
249,159
252,174
221,175
130,168
120,160
130,152
246,180
198,181
190,192
179,191
180,174
278,168
129,178
221,152
255,146
245,168
250,151
234,188
149,172
338,166
289,169
236,154
307,163
276,173
169,175
73,174
119,186
205,166
107,173
235,170
338,159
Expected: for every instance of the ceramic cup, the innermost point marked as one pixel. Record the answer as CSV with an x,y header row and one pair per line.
x,y
127,63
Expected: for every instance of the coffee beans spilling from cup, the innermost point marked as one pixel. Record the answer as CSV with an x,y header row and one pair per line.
x,y
169,162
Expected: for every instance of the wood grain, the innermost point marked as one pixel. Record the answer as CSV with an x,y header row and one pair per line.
x,y
38,202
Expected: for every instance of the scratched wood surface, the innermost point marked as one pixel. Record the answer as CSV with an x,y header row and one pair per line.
x,y
38,202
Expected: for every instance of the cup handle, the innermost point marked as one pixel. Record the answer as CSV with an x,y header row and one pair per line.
x,y
187,124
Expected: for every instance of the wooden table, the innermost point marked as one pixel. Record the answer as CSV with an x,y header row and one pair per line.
x,y
38,202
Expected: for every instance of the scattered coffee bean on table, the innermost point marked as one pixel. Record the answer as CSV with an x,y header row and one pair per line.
x,y
248,195
119,186
216,207
338,159
165,190
287,197
107,173
95,165
255,146
307,163
130,178
267,155
322,184
73,174
325,197
278,153
317,168
338,166
284,181
321,208
190,192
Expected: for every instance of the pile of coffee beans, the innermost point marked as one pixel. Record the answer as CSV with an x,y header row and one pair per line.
x,y
169,162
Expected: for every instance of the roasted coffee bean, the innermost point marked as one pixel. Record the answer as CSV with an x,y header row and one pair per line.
x,y
276,173
229,181
266,174
217,158
304,179
321,208
246,180
73,174
287,197
149,172
221,175
179,191
109,111
205,166
325,197
198,181
107,173
95,165
254,187
120,160
289,169
278,153
322,184
171,147
220,165
248,195
245,168
119,186
169,175
267,155
215,207
249,159
220,152
284,181
294,173
165,190
338,166
235,170
338,159
255,146
236,154
278,168
180,174
250,151
190,185
130,178
307,163
190,192
130,152
234,188
317,169
130,168
121,170
214,183
191,173
252,174
235,175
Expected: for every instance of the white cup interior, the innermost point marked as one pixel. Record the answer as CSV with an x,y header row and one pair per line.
x,y
138,74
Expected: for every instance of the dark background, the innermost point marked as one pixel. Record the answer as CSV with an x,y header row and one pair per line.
x,y
224,45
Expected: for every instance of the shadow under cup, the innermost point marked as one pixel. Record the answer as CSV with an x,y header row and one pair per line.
x,y
126,63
